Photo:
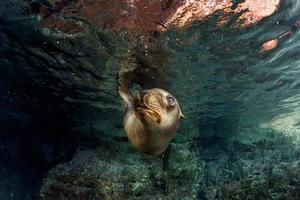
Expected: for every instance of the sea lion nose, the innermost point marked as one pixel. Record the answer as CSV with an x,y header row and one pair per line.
x,y
143,93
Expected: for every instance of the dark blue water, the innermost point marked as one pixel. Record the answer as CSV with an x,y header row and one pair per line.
x,y
52,87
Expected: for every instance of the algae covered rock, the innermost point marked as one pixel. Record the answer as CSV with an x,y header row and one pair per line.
x,y
262,169
114,170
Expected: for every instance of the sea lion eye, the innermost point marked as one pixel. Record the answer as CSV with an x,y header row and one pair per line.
x,y
171,101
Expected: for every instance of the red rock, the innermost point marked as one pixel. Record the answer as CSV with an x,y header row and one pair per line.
x,y
150,16
269,45
273,43
257,10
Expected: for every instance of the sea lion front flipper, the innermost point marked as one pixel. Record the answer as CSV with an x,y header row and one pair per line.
x,y
125,78
126,96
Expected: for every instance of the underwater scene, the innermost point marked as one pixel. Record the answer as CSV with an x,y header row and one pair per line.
x,y
150,99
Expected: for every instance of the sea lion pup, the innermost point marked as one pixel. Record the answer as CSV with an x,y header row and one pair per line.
x,y
151,119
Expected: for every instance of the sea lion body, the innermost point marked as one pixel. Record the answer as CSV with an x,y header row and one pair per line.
x,y
151,119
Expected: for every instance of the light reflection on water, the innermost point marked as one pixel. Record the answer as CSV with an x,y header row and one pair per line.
x,y
223,75
216,74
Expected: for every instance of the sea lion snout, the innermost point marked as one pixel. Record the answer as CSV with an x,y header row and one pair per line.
x,y
147,107
143,93
140,98
156,105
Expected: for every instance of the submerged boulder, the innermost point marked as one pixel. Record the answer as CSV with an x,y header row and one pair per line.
x,y
267,168
116,171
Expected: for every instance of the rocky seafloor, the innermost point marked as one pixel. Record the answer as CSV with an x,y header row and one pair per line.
x,y
268,168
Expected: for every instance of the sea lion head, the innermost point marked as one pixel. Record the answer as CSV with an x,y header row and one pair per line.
x,y
151,119
158,108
